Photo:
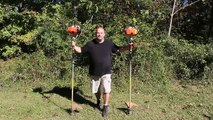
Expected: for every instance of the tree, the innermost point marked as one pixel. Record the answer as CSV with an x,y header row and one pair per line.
x,y
176,8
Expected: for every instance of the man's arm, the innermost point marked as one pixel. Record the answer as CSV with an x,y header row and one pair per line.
x,y
129,47
76,48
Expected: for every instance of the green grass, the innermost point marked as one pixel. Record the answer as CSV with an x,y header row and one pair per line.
x,y
21,100
178,103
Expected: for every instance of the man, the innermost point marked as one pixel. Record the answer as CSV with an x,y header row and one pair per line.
x,y
100,52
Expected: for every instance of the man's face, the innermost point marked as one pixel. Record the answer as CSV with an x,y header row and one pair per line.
x,y
100,34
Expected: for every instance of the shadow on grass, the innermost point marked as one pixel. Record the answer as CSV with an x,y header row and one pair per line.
x,y
124,110
79,98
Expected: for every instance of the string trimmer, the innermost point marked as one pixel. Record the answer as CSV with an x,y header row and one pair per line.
x,y
130,31
74,30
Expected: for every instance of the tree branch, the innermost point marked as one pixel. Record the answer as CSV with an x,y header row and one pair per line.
x,y
174,12
185,6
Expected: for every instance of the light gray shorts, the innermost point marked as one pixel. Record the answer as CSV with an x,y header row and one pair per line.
x,y
100,83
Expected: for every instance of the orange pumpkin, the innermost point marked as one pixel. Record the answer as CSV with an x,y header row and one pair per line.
x,y
131,31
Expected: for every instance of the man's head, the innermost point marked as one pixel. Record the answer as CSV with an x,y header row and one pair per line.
x,y
100,34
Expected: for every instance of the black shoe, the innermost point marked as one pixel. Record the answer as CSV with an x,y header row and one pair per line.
x,y
105,111
98,104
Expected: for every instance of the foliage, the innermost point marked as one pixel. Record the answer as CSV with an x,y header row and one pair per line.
x,y
189,60
38,68
17,30
36,53
198,18
35,31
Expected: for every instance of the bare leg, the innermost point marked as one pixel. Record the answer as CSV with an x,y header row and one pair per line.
x,y
106,98
106,105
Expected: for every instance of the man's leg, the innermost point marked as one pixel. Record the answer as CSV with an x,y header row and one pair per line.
x,y
106,79
98,98
95,85
106,98
98,95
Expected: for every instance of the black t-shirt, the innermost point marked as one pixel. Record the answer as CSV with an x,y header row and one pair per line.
x,y
100,56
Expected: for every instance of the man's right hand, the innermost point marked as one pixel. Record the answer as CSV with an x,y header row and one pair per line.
x,y
73,45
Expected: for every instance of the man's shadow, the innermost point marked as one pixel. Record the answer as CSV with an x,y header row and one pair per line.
x,y
78,96
124,110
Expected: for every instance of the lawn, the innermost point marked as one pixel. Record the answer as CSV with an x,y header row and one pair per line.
x,y
180,102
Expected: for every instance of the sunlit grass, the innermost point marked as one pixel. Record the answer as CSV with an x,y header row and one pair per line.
x,y
187,103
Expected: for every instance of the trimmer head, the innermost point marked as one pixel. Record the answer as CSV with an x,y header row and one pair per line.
x,y
75,107
131,104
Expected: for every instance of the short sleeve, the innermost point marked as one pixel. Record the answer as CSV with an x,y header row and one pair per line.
x,y
115,48
85,48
